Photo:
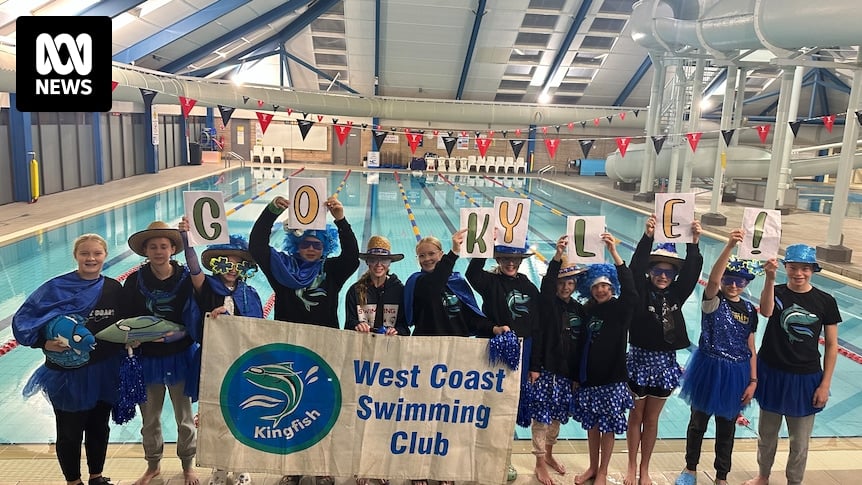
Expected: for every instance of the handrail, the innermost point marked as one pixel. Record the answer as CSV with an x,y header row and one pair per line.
x,y
547,168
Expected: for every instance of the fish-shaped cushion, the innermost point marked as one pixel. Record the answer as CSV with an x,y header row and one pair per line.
x,y
72,331
141,329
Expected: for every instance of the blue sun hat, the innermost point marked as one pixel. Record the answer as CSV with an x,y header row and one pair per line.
x,y
595,274
666,253
512,252
328,236
744,268
801,253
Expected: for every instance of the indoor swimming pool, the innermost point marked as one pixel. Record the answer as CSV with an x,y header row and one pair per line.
x,y
376,203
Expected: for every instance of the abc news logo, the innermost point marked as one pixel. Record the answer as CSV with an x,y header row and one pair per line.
x,y
63,64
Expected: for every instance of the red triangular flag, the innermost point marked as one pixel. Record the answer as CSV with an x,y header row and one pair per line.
x,y
622,115
413,139
187,104
545,130
319,118
114,85
483,144
260,103
552,144
342,131
463,133
596,121
491,133
289,111
571,125
349,122
763,132
828,121
436,132
264,119
517,132
623,144
693,139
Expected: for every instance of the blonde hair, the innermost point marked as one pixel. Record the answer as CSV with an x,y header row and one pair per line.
x,y
430,240
89,237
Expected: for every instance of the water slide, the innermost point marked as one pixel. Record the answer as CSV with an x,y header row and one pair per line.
x,y
742,162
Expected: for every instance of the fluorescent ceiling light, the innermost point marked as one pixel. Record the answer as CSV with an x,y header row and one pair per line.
x,y
121,21
151,6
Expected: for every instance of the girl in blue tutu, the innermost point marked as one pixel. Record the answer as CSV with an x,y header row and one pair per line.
x,y
81,386
602,398
721,374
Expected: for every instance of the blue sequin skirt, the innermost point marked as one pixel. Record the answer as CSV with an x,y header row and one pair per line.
x,y
603,406
715,385
171,369
786,393
74,390
550,398
653,368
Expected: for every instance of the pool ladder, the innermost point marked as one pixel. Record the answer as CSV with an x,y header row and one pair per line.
x,y
547,168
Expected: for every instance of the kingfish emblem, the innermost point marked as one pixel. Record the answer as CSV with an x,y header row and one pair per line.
x,y
279,378
797,321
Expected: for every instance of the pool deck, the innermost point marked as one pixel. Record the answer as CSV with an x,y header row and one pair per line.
x,y
831,460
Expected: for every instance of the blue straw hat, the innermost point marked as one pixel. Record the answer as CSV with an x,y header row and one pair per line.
x,y
666,253
801,253
510,252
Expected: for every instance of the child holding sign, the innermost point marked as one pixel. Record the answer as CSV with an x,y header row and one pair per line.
x,y
721,375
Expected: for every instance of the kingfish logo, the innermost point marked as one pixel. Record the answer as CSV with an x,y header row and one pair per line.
x,y
280,398
313,291
797,323
517,303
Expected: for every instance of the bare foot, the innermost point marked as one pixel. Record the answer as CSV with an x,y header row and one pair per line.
x,y
148,476
585,477
645,479
600,479
553,463
758,480
191,477
542,473
631,476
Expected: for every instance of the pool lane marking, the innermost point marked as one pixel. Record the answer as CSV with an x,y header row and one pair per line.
x,y
410,216
341,185
259,194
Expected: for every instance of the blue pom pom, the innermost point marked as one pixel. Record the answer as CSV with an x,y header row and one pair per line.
x,y
132,390
505,349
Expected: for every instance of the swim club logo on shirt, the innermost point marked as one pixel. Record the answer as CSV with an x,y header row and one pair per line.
x,y
517,303
797,323
280,398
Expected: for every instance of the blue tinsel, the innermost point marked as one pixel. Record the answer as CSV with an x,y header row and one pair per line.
x,y
132,390
505,349
523,418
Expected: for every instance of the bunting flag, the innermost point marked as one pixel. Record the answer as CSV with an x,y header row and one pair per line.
x,y
289,111
187,104
828,121
334,121
449,143
364,125
148,95
636,111
477,133
275,107
583,124
304,127
658,142
727,135
544,130
763,132
518,132
586,146
596,121
319,118
264,119
610,119
436,132
552,144
557,127
571,125
226,113
693,139
463,133
414,139
794,127
304,115
623,144
491,133
859,117
379,136
516,145
483,144
349,122
114,85
260,103
506,132
623,115
245,99
342,131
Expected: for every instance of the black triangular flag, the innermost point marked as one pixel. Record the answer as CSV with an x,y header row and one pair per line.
x,y
245,99
304,115
859,117
148,95
449,143
636,111
583,124
449,133
334,121
610,119
658,142
557,127
275,107
728,135
226,112
794,127
517,145
364,125
379,136
304,127
586,146
506,132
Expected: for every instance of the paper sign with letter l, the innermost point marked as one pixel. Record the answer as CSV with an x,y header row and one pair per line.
x,y
307,203
585,239
207,217
762,234
674,214
512,216
479,240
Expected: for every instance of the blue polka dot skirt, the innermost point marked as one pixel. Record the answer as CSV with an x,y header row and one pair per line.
x,y
603,407
550,398
653,368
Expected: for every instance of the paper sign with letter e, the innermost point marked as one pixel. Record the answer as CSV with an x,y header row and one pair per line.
x,y
207,217
307,203
512,216
479,240
585,239
674,214
762,234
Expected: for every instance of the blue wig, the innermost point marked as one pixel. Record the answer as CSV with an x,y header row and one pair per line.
x,y
328,236
594,272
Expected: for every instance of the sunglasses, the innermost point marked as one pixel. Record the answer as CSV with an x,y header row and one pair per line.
x,y
308,243
509,260
222,265
667,273
737,281
374,261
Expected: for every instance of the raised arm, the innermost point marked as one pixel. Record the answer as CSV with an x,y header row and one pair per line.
x,y
718,267
767,295
258,240
689,275
640,259
549,281
192,261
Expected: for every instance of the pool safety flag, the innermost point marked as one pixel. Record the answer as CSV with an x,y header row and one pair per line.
x,y
286,398
762,234
674,214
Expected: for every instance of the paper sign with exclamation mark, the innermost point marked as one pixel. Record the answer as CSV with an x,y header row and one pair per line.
x,y
762,234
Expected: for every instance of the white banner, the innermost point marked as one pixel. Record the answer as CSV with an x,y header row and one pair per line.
x,y
207,218
285,398
674,214
762,234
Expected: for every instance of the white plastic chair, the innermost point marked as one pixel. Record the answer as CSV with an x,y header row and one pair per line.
x,y
463,168
509,165
490,164
431,164
483,164
256,154
472,164
520,164
277,154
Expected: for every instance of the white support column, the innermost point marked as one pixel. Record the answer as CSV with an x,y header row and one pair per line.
x,y
676,127
740,100
714,217
778,139
693,122
653,122
785,178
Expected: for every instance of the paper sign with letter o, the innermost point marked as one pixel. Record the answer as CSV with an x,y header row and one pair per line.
x,y
207,217
674,214
585,239
307,203
762,234
479,240
512,216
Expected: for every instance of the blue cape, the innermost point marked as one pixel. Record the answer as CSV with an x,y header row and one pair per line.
x,y
66,294
456,284
293,271
244,296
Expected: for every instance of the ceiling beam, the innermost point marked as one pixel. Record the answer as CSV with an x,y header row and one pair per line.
x,y
567,43
477,22
634,81
109,8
